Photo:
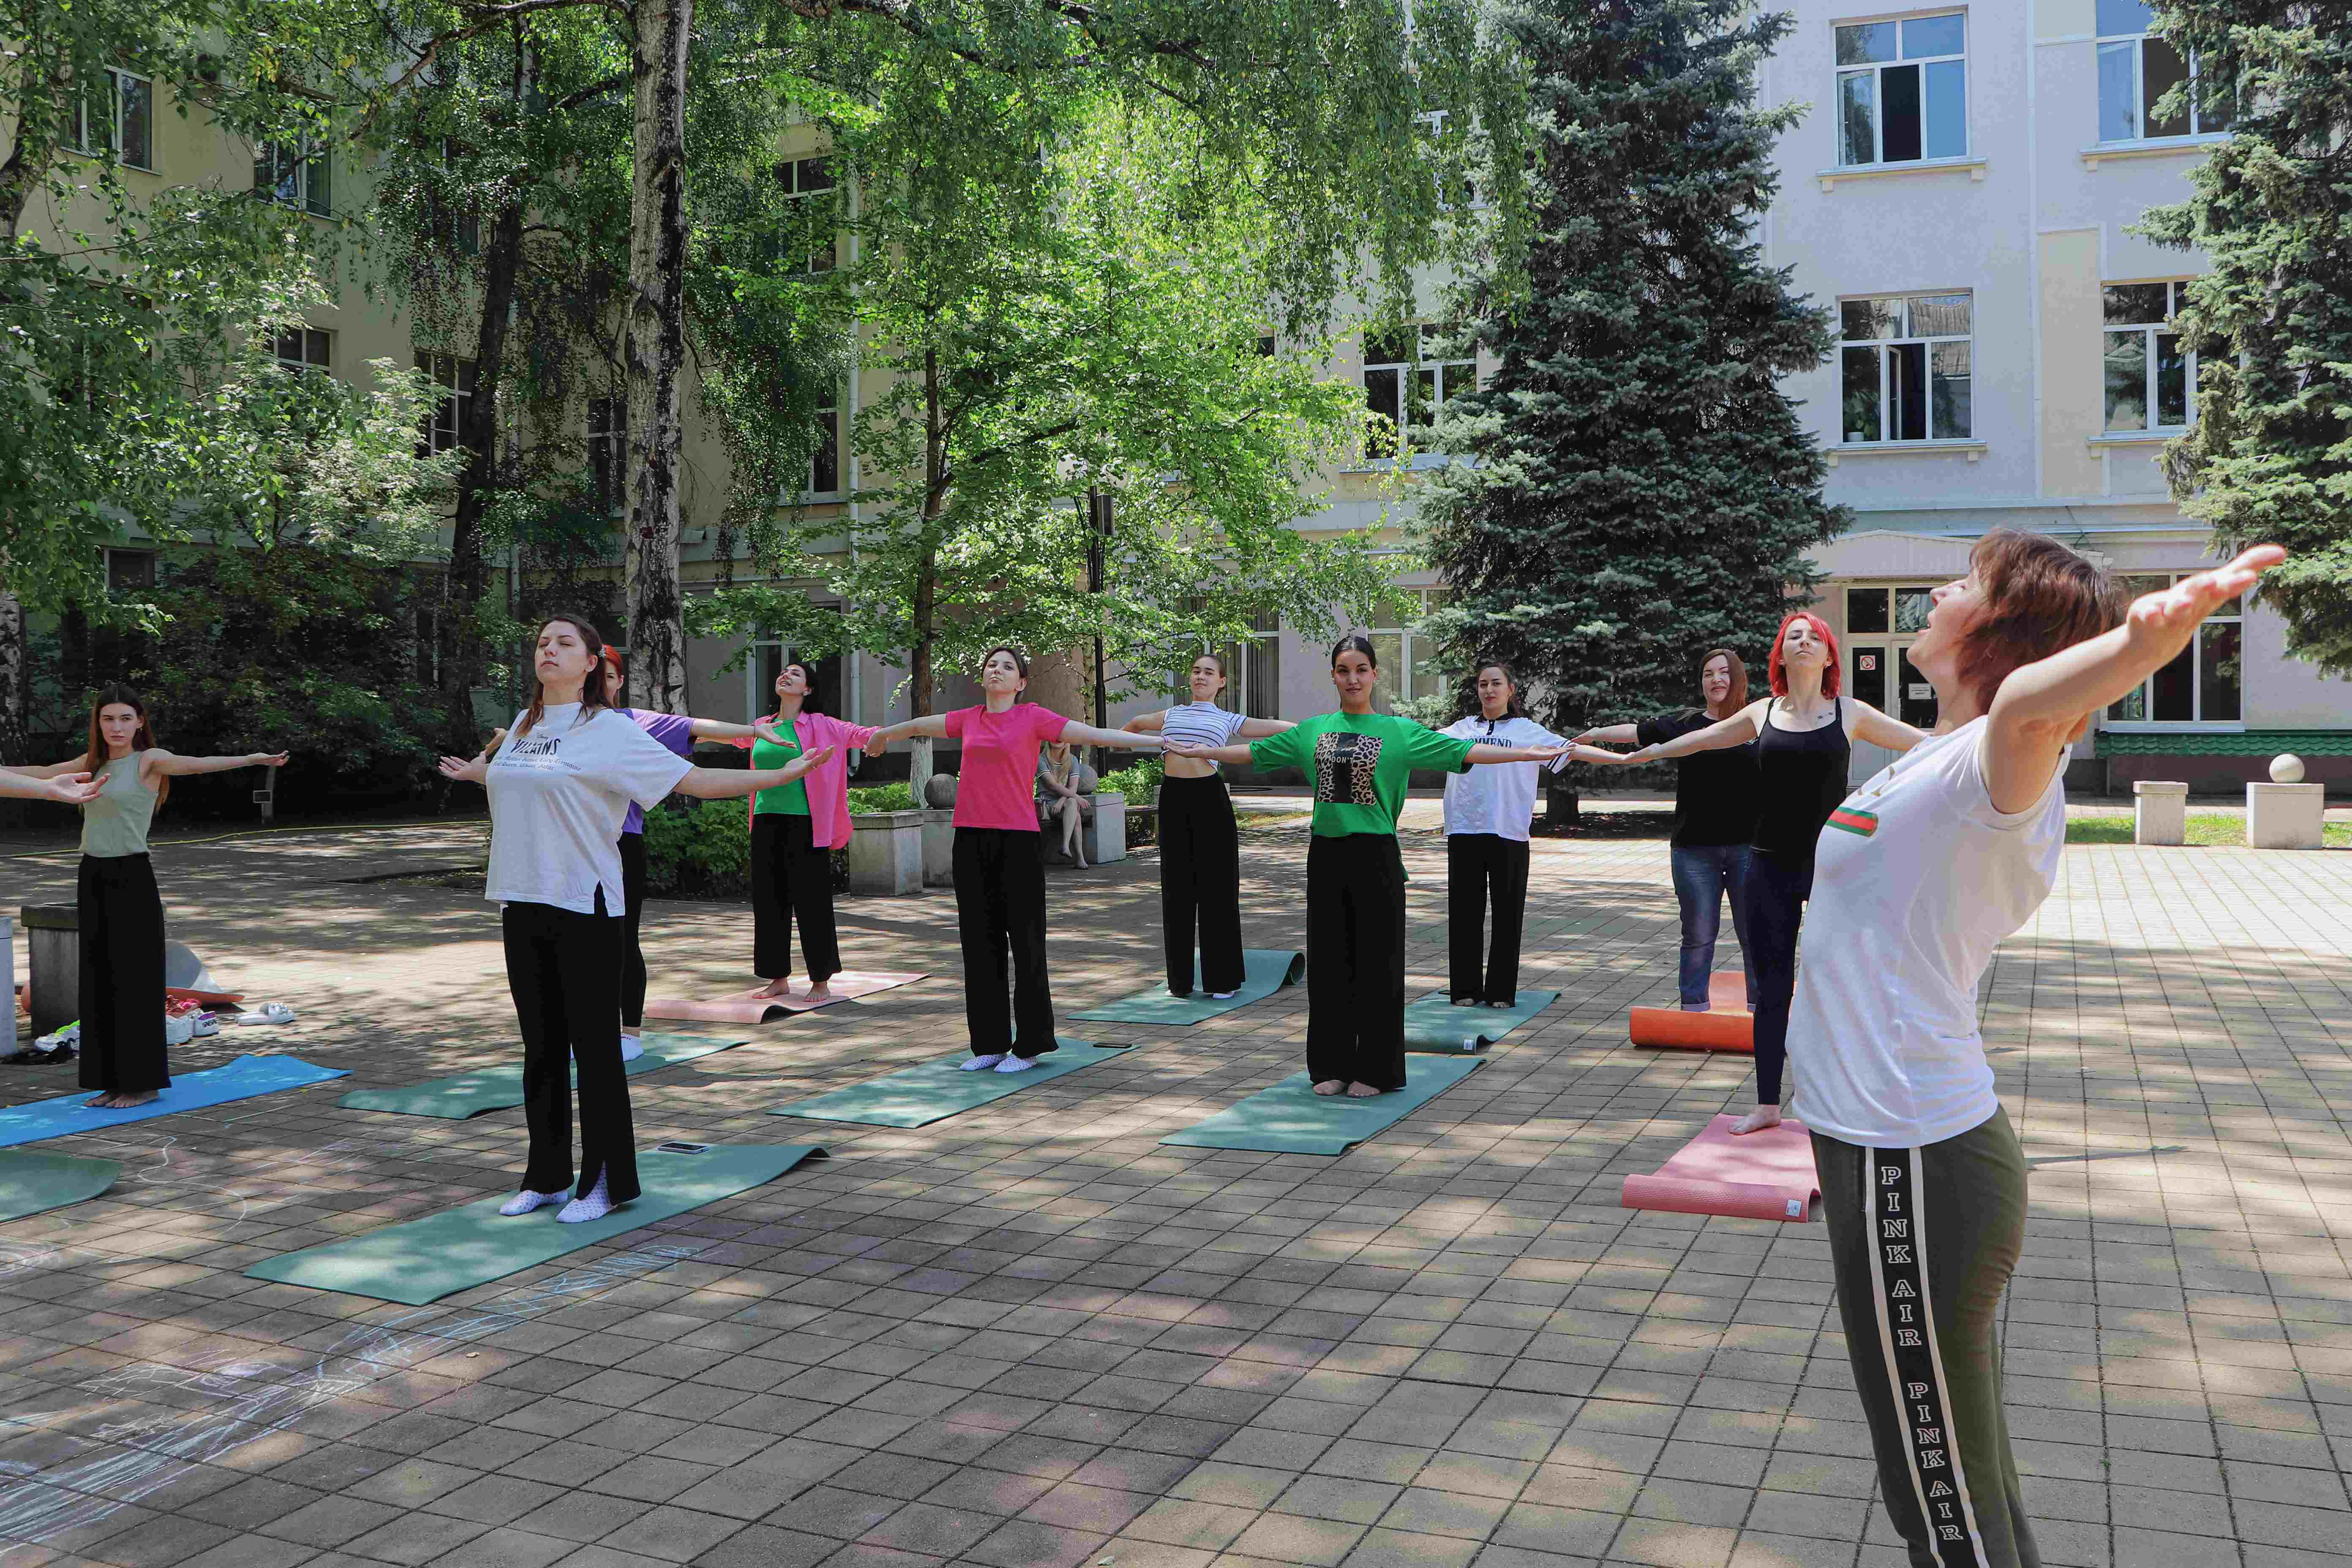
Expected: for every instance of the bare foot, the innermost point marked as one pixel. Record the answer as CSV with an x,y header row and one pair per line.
x,y
1361,1091
132,1101
820,992
1758,1119
1329,1086
776,988
102,1101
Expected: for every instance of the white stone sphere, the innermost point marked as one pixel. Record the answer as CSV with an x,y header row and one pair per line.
x,y
2287,768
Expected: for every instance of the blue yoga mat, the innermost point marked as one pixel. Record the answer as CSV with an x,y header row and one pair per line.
x,y
1292,1118
936,1089
239,1079
1431,1023
1268,972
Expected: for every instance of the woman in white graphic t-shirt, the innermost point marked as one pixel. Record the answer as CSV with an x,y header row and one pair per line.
x,y
560,787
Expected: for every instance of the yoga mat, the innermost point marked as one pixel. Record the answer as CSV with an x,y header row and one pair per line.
x,y
1433,1024
1292,1118
743,1007
457,1249
239,1079
465,1094
30,1184
1729,1027
936,1089
1268,972
1764,1175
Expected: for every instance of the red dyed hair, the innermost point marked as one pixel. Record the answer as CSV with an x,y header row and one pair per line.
x,y
1830,681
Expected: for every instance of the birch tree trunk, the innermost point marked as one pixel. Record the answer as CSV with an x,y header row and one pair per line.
x,y
655,355
11,676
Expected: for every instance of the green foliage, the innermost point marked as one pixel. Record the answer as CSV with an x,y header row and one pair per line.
x,y
2206,829
1138,781
2269,458
881,797
698,849
1638,488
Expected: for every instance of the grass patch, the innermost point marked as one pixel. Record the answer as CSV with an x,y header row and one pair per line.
x,y
2206,829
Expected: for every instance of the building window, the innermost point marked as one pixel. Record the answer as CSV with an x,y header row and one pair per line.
x,y
2136,68
129,570
802,178
608,450
2205,682
299,173
1903,368
825,460
1407,379
117,116
464,227
2151,379
301,349
1903,89
1410,665
455,377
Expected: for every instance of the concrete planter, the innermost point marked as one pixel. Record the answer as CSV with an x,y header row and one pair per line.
x,y
938,847
1104,832
886,853
2285,816
2160,812
53,938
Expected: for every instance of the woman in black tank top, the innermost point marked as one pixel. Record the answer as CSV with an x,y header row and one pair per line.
x,y
1804,738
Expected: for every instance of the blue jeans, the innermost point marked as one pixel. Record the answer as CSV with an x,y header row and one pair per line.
x,y
1704,875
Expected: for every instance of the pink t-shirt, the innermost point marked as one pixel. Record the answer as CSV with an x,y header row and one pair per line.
x,y
1000,760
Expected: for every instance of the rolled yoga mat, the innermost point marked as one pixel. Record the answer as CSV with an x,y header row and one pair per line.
x,y
744,1007
1728,1025
1763,1175
457,1249
1431,1023
1290,1118
31,1184
241,1079
936,1089
1269,970
465,1094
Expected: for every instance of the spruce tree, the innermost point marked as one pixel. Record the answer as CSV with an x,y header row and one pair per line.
x,y
2269,459
1637,488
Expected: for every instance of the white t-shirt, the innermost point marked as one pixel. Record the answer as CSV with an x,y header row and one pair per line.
x,y
1916,879
1501,799
558,797
1200,725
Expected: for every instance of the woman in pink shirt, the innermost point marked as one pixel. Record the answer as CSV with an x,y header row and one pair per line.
x,y
999,863
793,835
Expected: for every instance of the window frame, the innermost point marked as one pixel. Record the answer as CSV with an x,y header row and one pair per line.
x,y
1927,342
78,138
311,194
2194,658
146,572
1395,684
2150,334
2142,106
1876,71
304,339
451,398
1386,450
824,258
830,413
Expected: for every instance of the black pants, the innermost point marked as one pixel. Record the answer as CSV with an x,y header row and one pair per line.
x,y
1479,866
1200,883
1923,1242
1000,889
1355,960
121,919
632,955
1777,887
564,968
791,878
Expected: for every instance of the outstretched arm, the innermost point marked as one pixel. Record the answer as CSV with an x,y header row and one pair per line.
x,y
1259,729
1077,735
1239,756
2042,707
1610,735
471,770
717,730
733,784
45,783
1736,730
1145,723
74,764
173,766
1881,729
1482,752
935,725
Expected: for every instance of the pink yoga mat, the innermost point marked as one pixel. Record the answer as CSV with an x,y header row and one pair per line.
x,y
1764,1175
745,1007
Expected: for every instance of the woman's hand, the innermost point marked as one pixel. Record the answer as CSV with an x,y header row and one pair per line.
x,y
71,789
266,759
806,761
2164,618
877,743
472,771
1609,759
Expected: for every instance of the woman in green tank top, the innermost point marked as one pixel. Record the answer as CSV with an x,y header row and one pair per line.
x,y
121,912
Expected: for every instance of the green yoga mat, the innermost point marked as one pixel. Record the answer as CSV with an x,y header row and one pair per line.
x,y
465,1094
31,1184
1433,1024
425,1259
1268,972
1292,1118
936,1089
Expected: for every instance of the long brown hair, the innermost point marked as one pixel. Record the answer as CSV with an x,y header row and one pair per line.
x,y
1736,698
2039,598
592,689
142,739
1516,709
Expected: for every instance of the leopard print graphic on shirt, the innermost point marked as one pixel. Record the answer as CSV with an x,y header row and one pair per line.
x,y
1345,767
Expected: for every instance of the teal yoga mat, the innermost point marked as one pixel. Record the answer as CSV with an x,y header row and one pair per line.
x,y
1433,1024
457,1249
936,1089
465,1094
241,1079
1269,971
1292,1118
31,1184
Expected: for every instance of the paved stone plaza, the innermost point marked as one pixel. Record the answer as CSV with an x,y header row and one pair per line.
x,y
1030,1335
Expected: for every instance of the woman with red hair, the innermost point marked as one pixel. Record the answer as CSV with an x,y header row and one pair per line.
x,y
1804,735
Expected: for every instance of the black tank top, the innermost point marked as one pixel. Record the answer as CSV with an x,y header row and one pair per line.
x,y
1800,776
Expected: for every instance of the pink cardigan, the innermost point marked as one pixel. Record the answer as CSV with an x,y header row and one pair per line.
x,y
828,785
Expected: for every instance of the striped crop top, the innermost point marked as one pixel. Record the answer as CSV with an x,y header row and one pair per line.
x,y
1200,725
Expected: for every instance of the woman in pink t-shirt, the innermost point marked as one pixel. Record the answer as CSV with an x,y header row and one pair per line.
x,y
1000,864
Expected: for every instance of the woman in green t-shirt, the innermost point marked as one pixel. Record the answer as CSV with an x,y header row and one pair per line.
x,y
1360,762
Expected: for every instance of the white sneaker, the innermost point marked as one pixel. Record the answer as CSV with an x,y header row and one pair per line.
x,y
178,1031
69,1035
631,1048
204,1024
1016,1064
978,1063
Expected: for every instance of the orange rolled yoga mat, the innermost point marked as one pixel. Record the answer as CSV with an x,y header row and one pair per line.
x,y
1730,1027
1764,1175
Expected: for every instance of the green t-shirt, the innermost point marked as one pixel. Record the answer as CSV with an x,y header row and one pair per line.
x,y
791,799
1360,762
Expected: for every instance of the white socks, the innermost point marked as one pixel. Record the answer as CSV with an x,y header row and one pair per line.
x,y
977,1064
595,1205
631,1048
1016,1064
1003,1061
526,1200
1223,995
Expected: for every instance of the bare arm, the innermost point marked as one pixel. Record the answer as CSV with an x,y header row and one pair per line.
x,y
935,725
1610,735
733,784
1145,723
1077,735
1880,730
2042,707
470,770
1483,754
1736,730
46,784
173,766
1259,729
1236,754
717,730
77,765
